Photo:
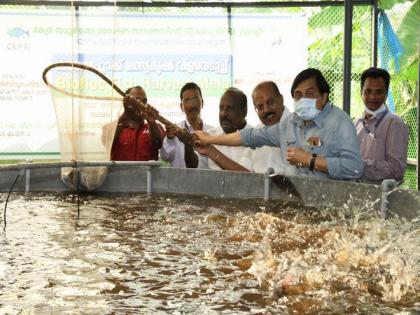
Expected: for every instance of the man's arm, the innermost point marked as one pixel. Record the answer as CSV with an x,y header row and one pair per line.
x,y
250,137
169,145
230,139
220,159
191,159
344,160
156,134
302,158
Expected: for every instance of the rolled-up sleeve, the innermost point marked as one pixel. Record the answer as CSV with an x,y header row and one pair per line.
x,y
258,137
344,160
168,149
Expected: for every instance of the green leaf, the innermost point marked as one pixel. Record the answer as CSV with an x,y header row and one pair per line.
x,y
409,32
388,4
323,17
410,72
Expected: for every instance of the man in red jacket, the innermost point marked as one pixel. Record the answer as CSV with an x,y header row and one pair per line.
x,y
138,136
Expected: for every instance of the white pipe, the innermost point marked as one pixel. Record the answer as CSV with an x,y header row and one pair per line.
x,y
24,166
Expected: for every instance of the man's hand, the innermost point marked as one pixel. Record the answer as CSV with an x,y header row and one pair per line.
x,y
150,113
185,136
298,157
202,138
202,149
171,131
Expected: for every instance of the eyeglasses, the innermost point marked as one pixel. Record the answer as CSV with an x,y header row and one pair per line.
x,y
369,92
270,103
308,94
191,100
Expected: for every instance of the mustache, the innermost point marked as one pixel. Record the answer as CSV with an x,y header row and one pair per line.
x,y
225,120
268,114
193,109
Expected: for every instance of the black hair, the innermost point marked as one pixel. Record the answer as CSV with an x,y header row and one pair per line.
x,y
306,74
190,86
375,73
132,88
240,98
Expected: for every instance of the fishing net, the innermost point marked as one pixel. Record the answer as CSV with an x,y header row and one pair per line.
x,y
87,105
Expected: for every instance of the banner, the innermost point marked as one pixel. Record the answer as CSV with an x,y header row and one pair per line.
x,y
160,51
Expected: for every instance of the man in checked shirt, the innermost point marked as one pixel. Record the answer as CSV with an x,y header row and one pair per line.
x,y
383,136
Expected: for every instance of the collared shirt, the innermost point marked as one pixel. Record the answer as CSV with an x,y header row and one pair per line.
x,y
338,142
383,145
173,150
234,153
264,157
135,145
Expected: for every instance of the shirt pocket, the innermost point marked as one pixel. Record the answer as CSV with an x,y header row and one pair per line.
x,y
291,142
377,147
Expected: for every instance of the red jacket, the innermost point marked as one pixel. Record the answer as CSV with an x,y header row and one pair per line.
x,y
135,145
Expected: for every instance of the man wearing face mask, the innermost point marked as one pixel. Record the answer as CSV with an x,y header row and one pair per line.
x,y
318,139
383,135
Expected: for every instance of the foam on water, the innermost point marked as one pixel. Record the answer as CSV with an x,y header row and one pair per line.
x,y
329,255
157,255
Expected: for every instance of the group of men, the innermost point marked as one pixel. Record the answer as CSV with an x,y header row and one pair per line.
x,y
317,139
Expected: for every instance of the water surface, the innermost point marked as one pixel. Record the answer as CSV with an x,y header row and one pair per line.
x,y
134,254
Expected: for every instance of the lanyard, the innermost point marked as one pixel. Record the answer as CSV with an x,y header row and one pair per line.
x,y
377,123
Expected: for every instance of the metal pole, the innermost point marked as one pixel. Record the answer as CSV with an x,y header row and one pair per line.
x,y
187,4
348,32
418,117
28,178
149,180
230,32
375,14
25,166
267,181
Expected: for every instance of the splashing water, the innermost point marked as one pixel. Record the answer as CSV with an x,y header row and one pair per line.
x,y
163,254
328,255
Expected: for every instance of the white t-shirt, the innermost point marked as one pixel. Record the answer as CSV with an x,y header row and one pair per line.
x,y
266,156
234,153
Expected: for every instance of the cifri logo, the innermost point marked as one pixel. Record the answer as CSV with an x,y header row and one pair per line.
x,y
19,38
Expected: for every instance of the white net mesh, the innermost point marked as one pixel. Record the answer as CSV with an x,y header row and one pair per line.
x,y
87,110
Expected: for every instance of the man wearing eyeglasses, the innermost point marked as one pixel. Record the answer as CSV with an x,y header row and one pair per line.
x,y
175,148
317,140
269,106
383,136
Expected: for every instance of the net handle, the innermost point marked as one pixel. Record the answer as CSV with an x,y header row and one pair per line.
x,y
140,104
84,67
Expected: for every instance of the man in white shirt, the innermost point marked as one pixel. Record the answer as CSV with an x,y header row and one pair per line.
x,y
175,149
269,105
232,113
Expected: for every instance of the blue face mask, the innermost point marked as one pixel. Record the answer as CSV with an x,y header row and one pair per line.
x,y
306,109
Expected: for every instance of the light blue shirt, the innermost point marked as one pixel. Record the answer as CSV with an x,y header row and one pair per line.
x,y
338,142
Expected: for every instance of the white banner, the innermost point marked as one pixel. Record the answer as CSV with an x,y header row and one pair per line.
x,y
160,52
